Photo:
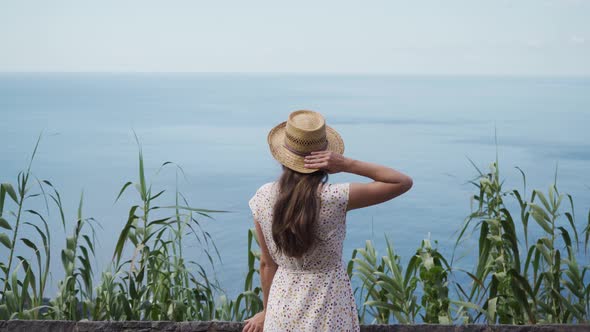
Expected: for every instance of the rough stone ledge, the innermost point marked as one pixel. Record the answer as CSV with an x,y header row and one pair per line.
x,y
215,326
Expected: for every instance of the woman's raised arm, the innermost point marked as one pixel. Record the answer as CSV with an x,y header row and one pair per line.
x,y
387,182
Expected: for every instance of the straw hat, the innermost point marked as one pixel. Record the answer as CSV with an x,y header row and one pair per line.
x,y
304,132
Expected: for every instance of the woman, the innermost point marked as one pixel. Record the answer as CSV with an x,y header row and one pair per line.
x,y
300,223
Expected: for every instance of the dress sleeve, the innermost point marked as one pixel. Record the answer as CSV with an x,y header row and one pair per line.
x,y
255,203
339,199
344,189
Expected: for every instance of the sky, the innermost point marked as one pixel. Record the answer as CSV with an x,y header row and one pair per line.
x,y
450,37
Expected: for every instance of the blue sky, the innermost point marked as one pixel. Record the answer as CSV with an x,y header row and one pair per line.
x,y
471,37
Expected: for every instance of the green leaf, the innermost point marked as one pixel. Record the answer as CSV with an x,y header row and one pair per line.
x,y
124,232
10,190
156,195
475,279
491,310
80,205
444,320
521,287
543,250
30,244
383,305
566,239
4,224
4,313
188,208
5,240
123,190
587,231
142,184
2,199
474,307
543,199
541,217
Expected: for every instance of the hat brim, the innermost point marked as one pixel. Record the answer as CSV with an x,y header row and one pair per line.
x,y
276,139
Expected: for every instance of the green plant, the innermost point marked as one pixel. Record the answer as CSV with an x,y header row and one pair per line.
x,y
385,289
155,283
433,270
363,265
74,299
561,297
549,287
249,301
23,298
498,257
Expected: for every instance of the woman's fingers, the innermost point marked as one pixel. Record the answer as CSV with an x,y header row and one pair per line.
x,y
316,165
318,157
251,327
320,152
319,161
315,156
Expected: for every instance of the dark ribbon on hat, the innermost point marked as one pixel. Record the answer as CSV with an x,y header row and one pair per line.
x,y
305,154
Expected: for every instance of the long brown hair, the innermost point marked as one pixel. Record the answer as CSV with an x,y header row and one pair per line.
x,y
296,211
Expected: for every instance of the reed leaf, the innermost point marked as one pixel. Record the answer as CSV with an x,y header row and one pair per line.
x,y
4,224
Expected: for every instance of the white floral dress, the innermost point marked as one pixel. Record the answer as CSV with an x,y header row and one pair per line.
x,y
311,293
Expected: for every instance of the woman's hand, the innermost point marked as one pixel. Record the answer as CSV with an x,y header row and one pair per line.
x,y
328,161
255,323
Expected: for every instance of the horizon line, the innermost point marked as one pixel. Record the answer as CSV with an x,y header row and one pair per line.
x,y
304,73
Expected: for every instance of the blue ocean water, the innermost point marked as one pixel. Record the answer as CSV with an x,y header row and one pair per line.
x,y
215,127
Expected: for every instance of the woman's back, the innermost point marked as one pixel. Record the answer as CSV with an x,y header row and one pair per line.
x,y
310,293
330,230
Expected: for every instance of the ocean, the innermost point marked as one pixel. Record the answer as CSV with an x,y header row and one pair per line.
x,y
215,125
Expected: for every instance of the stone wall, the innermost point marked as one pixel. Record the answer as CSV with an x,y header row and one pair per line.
x,y
68,326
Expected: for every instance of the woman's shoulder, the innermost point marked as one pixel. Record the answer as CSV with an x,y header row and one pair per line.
x,y
336,194
260,199
265,188
336,186
336,189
